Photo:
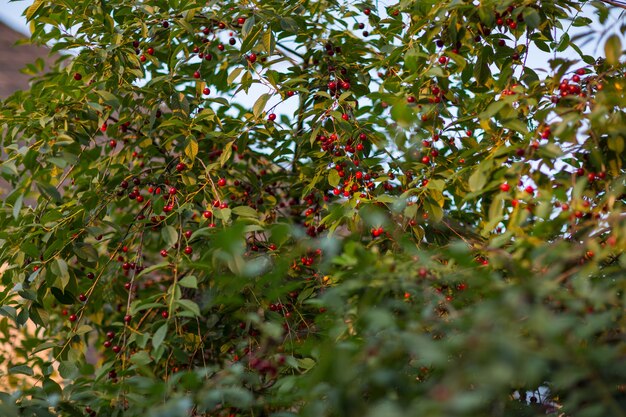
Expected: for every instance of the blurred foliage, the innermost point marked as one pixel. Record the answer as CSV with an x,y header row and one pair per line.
x,y
315,208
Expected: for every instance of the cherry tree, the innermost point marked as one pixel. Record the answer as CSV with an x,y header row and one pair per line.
x,y
316,208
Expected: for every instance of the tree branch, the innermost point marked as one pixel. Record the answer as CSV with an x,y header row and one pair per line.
x,y
616,3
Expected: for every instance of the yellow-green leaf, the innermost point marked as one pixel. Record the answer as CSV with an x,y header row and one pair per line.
x,y
191,149
613,49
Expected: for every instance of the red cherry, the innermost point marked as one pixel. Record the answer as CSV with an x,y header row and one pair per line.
x,y
82,297
252,58
110,335
220,47
78,77
180,167
221,182
196,74
188,250
332,85
127,318
150,51
271,117
117,349
443,60
241,20
73,317
107,344
164,253
142,58
367,11
165,314
529,189
206,91
112,143
173,190
410,99
505,187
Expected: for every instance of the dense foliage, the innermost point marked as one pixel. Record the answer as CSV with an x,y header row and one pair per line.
x,y
316,208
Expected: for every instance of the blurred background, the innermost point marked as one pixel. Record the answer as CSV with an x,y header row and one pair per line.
x,y
11,14
13,58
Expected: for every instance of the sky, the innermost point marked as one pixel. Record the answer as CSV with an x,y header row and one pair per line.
x,y
11,14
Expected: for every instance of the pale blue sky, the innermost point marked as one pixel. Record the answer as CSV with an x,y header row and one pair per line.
x,y
11,14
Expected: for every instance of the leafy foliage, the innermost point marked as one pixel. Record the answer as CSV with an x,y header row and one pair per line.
x,y
315,208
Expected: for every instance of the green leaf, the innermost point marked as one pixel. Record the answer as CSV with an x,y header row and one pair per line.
x,y
250,39
434,210
289,25
226,153
481,69
613,49
159,336
191,148
108,98
86,251
403,114
152,268
21,370
189,281
49,191
492,109
247,26
169,235
245,211
17,206
516,125
60,270
306,363
64,297
190,306
259,105
68,369
616,144
82,329
232,76
333,178
33,9
531,18
477,180
140,358
269,42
